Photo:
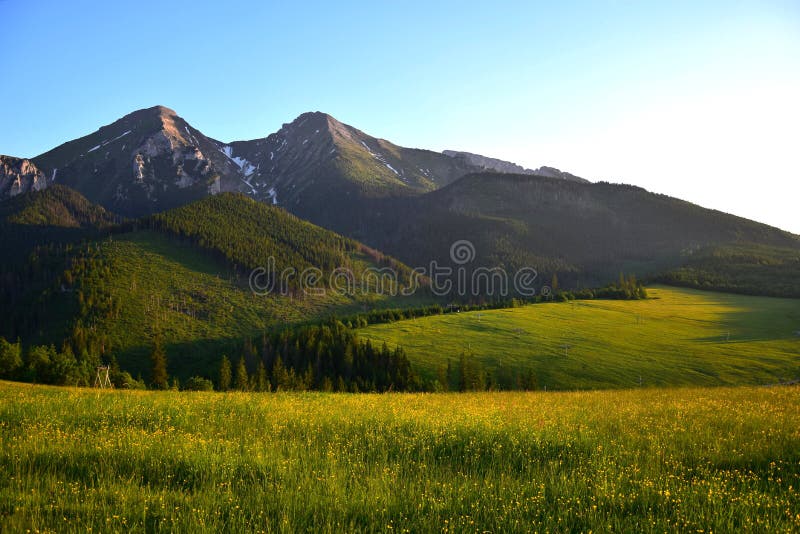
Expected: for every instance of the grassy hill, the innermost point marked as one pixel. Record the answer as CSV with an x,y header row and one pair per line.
x,y
722,460
183,276
677,337
199,305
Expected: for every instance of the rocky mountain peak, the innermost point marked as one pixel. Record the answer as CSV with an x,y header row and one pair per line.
x,y
152,159
147,161
20,175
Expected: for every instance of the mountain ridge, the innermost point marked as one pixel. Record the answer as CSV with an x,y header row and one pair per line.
x,y
508,167
152,159
411,203
584,232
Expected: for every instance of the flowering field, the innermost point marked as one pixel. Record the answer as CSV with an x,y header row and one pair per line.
x,y
639,460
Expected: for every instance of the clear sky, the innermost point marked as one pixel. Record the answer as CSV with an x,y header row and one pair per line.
x,y
699,100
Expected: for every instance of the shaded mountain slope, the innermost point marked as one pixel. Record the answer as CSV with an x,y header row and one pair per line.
x,y
588,231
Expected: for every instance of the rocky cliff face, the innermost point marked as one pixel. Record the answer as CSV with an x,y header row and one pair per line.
x,y
489,164
507,167
147,161
552,172
19,175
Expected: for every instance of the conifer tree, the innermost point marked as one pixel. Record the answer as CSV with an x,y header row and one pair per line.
x,y
158,359
242,382
225,374
261,379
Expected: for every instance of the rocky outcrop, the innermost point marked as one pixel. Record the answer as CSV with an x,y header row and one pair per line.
x,y
552,172
19,175
507,167
489,164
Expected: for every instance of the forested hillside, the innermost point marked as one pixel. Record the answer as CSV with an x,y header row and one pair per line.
x,y
585,232
181,277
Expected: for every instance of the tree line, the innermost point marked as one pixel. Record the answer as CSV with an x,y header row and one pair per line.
x,y
44,364
325,357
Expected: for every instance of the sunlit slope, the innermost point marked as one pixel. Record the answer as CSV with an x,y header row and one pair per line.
x,y
678,337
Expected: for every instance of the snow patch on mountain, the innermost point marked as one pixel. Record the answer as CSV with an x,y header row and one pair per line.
x,y
380,157
245,166
104,143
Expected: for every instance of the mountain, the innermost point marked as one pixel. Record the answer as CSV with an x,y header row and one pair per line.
x,y
486,163
18,175
318,167
147,161
507,167
152,160
585,232
409,202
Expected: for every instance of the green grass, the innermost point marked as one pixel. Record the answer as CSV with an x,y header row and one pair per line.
x,y
648,460
678,337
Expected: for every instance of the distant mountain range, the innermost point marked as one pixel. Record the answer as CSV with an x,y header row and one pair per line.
x,y
152,160
411,203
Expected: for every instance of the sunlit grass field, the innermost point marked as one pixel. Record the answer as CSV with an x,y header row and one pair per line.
x,y
677,337
717,459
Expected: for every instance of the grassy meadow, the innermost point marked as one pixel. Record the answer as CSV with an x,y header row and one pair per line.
x,y
676,337
649,460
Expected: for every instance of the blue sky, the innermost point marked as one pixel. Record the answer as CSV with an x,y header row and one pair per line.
x,y
694,99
